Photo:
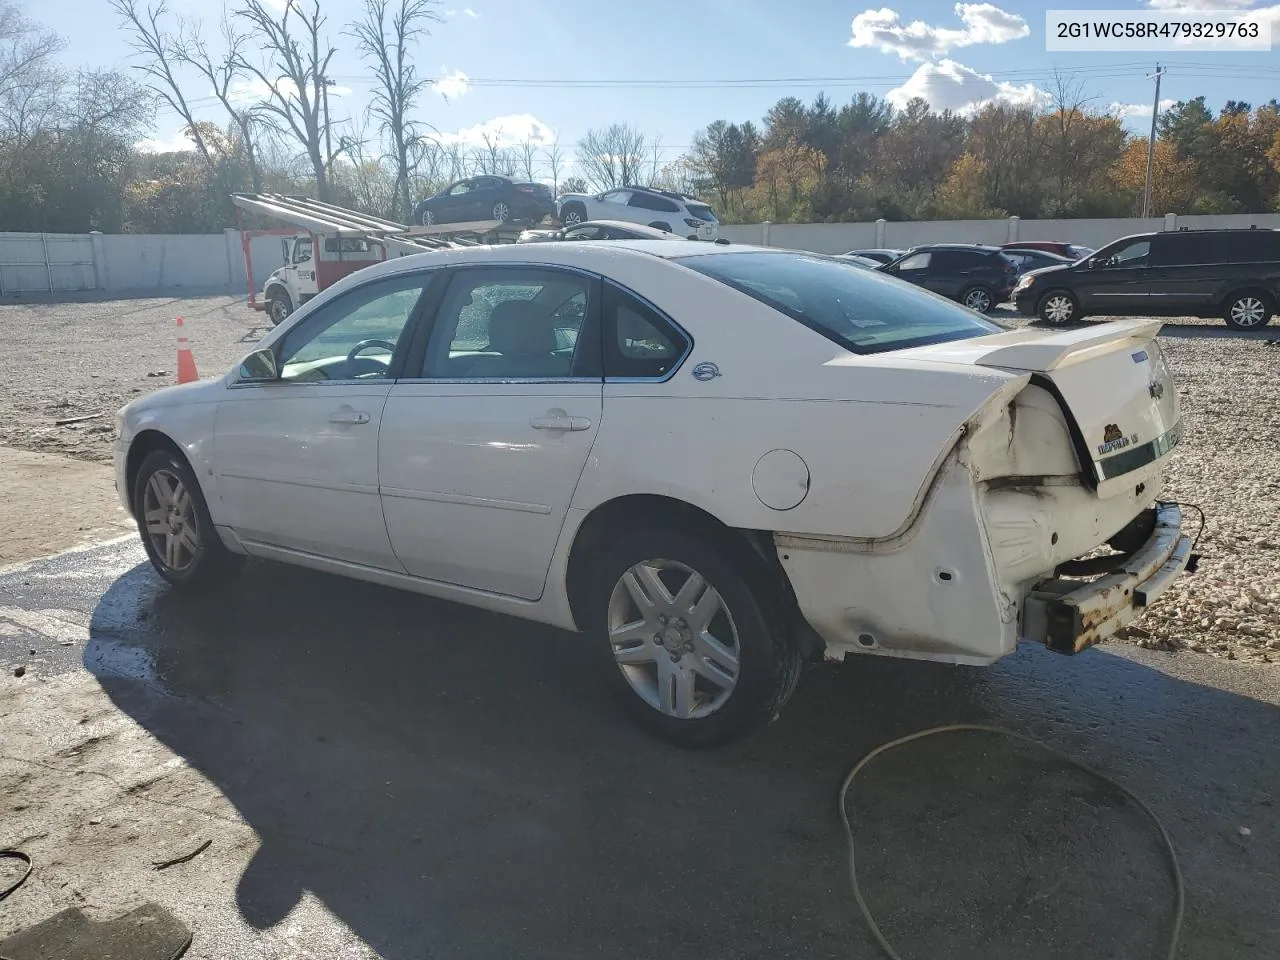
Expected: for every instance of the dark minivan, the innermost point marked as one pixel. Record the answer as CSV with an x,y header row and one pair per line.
x,y
975,275
1233,274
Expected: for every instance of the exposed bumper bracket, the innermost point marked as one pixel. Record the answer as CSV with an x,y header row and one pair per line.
x,y
1068,616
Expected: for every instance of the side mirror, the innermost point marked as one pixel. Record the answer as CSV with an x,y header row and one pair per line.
x,y
258,367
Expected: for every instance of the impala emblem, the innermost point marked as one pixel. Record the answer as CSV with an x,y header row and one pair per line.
x,y
1113,439
706,371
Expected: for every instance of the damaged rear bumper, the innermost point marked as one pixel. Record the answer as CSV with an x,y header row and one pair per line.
x,y
1069,616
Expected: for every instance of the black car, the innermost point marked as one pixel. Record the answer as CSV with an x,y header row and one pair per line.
x,y
1233,274
1026,260
487,198
975,275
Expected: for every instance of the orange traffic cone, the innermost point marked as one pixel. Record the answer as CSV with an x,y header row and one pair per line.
x,y
186,360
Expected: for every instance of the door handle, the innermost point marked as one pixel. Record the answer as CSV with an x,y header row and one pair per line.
x,y
560,423
349,417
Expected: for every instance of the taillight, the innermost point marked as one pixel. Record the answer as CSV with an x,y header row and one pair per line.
x,y
525,187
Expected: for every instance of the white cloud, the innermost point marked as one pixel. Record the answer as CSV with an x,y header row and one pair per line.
x,y
1179,5
176,142
507,131
452,85
1127,111
471,13
255,90
450,14
948,85
884,30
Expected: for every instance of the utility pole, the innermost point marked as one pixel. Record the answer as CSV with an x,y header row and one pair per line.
x,y
1151,142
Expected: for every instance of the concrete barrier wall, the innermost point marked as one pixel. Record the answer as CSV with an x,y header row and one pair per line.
x,y
139,264
843,237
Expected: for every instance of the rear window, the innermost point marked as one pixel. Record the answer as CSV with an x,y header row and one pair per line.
x,y
861,310
700,211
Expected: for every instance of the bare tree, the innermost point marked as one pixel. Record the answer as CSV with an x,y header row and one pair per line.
x,y
162,54
555,162
385,46
29,76
655,162
221,73
613,157
294,75
527,155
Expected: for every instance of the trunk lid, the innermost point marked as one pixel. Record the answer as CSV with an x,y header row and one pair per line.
x,y
1110,378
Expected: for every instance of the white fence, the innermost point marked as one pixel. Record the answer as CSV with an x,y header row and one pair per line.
x,y
842,237
52,263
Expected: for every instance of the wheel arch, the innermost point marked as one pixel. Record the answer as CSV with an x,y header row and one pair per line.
x,y
276,287
147,442
753,549
1238,291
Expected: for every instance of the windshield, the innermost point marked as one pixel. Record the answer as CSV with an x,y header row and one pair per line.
x,y
861,310
701,211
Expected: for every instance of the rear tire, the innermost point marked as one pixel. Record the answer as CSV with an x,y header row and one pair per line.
x,y
174,523
1058,307
501,212
428,218
1248,310
695,662
573,214
978,298
661,225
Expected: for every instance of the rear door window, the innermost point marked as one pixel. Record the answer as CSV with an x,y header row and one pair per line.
x,y
860,310
1184,249
639,342
951,261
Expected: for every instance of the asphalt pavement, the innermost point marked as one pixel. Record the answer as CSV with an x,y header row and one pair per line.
x,y
452,783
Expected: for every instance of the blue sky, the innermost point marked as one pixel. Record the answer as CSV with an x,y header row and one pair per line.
x,y
720,58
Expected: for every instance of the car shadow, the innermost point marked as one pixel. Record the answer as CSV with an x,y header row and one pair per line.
x,y
450,783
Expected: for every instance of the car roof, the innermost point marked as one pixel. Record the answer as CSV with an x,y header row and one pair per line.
x,y
982,247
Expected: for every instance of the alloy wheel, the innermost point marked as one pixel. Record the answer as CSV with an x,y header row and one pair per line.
x,y
501,211
428,218
978,300
674,639
572,218
1248,312
1058,309
170,517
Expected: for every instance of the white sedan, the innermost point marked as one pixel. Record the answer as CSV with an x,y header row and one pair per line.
x,y
716,461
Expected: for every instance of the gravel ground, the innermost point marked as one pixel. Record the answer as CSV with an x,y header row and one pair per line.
x,y
69,359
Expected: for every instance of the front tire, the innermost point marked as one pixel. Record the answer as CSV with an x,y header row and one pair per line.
x,y
1058,307
278,308
1248,310
694,644
174,523
428,218
978,298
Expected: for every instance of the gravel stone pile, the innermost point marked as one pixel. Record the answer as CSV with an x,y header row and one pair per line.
x,y
68,359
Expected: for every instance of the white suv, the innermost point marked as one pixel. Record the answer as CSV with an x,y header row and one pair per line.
x,y
674,212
